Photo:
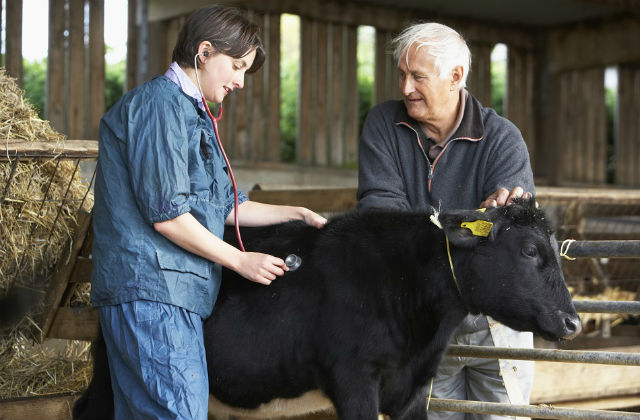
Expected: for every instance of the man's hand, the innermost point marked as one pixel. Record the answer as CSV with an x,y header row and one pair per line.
x,y
504,197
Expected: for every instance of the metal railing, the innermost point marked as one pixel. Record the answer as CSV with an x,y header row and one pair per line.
x,y
578,249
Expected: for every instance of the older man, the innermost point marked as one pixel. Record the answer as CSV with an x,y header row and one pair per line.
x,y
440,148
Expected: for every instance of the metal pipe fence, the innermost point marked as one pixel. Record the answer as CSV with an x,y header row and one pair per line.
x,y
541,411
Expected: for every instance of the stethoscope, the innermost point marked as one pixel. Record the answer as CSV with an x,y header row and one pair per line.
x,y
292,260
224,155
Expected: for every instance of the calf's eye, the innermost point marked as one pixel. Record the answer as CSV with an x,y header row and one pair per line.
x,y
529,251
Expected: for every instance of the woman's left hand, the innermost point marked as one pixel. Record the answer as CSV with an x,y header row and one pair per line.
x,y
312,218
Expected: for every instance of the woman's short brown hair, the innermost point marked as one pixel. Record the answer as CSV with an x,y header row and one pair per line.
x,y
228,31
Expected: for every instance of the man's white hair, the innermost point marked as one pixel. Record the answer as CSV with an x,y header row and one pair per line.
x,y
444,44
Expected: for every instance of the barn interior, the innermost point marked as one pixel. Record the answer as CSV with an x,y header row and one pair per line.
x,y
584,153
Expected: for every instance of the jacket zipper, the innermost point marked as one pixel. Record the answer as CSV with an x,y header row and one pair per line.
x,y
432,167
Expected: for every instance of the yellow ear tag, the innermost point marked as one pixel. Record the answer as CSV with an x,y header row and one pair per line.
x,y
482,210
478,227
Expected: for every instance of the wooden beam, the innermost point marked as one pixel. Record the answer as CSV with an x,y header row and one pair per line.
x,y
594,45
82,270
55,109
13,51
44,407
87,149
75,324
357,13
320,200
584,381
76,70
96,66
62,274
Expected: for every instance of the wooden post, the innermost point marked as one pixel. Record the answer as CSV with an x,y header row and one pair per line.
x,y
272,66
351,117
132,46
336,110
76,70
628,126
321,144
306,109
13,56
380,91
258,107
55,109
520,93
479,77
63,273
96,66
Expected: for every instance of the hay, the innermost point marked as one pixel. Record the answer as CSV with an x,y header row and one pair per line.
x,y
28,369
37,218
592,323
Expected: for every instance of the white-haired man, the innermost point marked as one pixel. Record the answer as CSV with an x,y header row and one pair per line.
x,y
440,148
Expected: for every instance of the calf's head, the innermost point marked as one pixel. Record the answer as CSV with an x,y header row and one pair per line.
x,y
513,272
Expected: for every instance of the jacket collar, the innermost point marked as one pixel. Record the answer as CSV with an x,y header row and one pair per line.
x,y
471,127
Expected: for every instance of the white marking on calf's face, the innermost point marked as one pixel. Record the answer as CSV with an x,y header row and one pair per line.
x,y
310,402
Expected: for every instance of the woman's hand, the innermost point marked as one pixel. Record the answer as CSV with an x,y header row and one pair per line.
x,y
312,218
259,268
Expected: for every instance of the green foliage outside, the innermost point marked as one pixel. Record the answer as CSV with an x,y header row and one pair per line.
x,y
34,80
289,85
114,83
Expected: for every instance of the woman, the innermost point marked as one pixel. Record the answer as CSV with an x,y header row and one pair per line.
x,y
162,197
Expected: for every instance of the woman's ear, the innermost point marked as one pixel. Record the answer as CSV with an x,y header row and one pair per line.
x,y
205,49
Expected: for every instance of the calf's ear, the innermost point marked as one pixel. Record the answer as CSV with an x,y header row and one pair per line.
x,y
465,228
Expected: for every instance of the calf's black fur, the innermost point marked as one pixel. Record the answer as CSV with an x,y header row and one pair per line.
x,y
368,315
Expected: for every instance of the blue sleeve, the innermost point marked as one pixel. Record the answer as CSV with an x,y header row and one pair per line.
x,y
157,151
231,200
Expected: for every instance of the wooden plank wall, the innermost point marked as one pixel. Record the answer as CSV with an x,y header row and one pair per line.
x,y
386,69
521,92
250,127
328,107
579,134
75,90
13,57
479,79
628,128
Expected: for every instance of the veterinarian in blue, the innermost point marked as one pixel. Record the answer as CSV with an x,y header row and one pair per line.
x,y
162,198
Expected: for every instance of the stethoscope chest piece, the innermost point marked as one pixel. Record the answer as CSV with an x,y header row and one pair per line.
x,y
293,262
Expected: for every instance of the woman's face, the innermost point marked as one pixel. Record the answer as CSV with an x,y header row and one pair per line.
x,y
220,74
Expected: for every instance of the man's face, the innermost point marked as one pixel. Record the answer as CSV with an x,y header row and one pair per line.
x,y
429,99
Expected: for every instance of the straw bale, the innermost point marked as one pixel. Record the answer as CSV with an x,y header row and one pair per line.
x,y
37,218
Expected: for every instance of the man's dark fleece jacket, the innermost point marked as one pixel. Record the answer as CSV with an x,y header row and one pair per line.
x,y
486,153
